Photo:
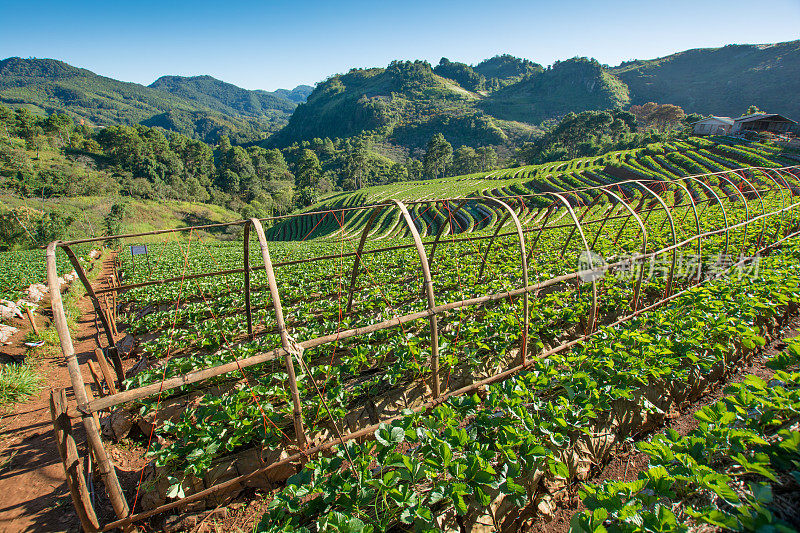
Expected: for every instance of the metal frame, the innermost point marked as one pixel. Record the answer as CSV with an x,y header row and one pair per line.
x,y
87,407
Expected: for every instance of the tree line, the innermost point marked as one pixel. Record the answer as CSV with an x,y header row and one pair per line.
x,y
148,163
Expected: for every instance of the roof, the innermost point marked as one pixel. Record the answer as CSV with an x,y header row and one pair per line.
x,y
726,120
762,116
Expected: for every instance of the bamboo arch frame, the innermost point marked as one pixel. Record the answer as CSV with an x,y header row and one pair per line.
x,y
88,407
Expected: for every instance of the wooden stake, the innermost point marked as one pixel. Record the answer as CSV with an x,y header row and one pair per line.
x,y
73,467
102,362
33,320
94,369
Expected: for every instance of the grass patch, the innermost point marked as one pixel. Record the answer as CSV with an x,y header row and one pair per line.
x,y
18,383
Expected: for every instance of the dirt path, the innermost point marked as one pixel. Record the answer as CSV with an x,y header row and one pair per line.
x,y
33,491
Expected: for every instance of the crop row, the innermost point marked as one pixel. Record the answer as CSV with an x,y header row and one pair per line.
x,y
729,473
483,454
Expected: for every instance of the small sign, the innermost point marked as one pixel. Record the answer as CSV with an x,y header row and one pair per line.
x,y
139,249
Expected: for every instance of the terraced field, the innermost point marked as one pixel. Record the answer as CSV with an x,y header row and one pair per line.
x,y
658,161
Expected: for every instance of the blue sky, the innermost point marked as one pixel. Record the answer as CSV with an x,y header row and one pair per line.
x,y
271,44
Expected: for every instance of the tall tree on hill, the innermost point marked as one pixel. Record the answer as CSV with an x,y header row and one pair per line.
x,y
487,158
308,169
415,169
357,164
465,161
438,156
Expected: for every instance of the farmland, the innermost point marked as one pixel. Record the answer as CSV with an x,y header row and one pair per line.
x,y
661,161
528,374
22,268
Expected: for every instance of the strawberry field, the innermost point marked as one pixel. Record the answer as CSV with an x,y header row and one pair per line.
x,y
457,369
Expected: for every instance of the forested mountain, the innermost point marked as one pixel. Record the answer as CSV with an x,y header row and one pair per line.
x,y
720,81
574,85
200,107
409,102
505,69
405,103
298,95
212,93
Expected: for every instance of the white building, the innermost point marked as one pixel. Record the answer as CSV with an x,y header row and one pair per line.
x,y
712,126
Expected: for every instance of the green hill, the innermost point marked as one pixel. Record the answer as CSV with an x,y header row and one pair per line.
x,y
577,84
298,95
506,69
200,107
407,103
211,93
720,81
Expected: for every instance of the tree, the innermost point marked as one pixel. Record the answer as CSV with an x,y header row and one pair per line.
x,y
438,155
465,161
397,173
308,169
415,169
356,164
487,158
116,216
752,110
661,117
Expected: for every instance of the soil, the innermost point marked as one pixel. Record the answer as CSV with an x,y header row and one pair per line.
x,y
33,489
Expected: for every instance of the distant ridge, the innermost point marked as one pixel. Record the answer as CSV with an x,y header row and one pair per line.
x,y
720,81
501,101
201,106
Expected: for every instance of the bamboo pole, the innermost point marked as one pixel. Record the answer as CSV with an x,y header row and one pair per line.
x,y
94,440
297,408
105,370
428,282
73,467
94,370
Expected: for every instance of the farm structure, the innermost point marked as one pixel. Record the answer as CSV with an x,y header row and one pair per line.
x,y
767,122
287,350
712,126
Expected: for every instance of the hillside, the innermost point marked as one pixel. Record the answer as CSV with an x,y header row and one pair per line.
x,y
211,93
720,81
199,107
659,161
577,84
407,102
297,95
87,214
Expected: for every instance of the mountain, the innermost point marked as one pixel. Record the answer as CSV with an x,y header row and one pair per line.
x,y
298,95
577,84
501,101
720,81
211,93
405,103
201,107
506,69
